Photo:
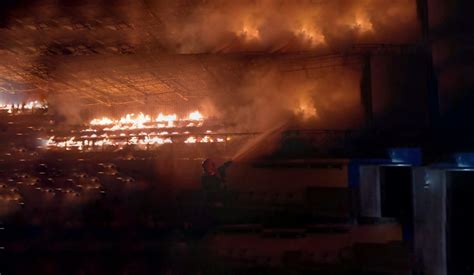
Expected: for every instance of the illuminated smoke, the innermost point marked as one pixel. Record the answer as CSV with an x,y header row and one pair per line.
x,y
263,97
267,97
183,26
227,26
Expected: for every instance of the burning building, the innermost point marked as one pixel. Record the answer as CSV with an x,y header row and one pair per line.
x,y
321,112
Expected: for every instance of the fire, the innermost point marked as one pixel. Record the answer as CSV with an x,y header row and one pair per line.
x,y
204,139
138,129
268,24
195,116
306,109
31,105
142,121
190,140
249,33
363,23
248,28
102,121
312,35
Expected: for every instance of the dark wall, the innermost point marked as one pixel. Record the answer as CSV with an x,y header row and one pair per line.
x,y
399,91
452,36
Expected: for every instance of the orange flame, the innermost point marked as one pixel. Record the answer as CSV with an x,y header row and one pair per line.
x,y
31,105
89,138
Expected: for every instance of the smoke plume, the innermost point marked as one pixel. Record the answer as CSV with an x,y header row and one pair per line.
x,y
286,25
269,97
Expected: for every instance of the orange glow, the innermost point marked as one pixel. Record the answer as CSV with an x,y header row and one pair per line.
x,y
142,121
196,116
31,105
114,132
190,140
249,33
306,109
311,35
363,23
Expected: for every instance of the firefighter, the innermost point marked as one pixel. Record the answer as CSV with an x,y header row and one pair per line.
x,y
213,180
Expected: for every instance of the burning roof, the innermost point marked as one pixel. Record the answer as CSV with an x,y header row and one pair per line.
x,y
69,47
139,129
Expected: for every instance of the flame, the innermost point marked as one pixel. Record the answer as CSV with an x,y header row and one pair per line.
x,y
204,139
249,33
31,105
190,140
100,132
142,121
363,23
247,28
306,109
195,116
260,25
311,35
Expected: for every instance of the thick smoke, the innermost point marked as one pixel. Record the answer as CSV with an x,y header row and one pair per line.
x,y
66,109
286,25
268,97
264,95
196,26
269,101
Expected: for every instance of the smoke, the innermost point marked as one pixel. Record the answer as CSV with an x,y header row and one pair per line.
x,y
66,108
287,25
183,26
268,96
270,100
263,96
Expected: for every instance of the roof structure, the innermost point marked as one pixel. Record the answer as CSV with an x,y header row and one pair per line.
x,y
121,54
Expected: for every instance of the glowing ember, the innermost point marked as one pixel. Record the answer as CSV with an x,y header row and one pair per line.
x,y
195,116
100,132
102,121
206,139
311,35
363,23
167,118
31,105
306,109
249,33
190,140
142,121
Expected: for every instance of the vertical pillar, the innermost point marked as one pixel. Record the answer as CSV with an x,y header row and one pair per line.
x,y
432,80
366,90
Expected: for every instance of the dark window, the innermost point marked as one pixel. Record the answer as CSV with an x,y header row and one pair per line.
x,y
460,223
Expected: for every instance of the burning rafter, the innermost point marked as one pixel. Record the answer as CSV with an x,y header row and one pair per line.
x,y
141,130
21,107
155,76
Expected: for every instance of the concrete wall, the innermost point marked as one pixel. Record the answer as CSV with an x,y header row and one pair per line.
x,y
430,219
